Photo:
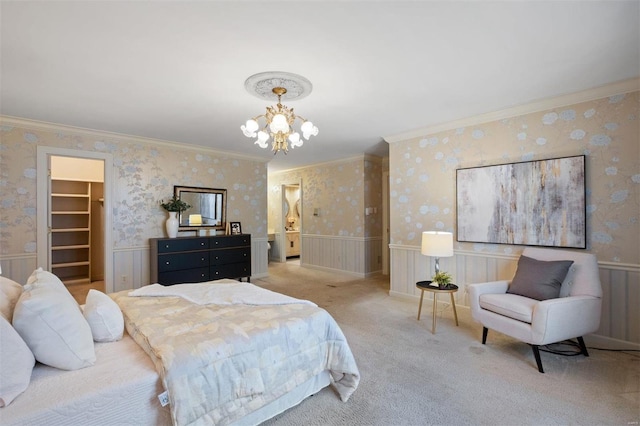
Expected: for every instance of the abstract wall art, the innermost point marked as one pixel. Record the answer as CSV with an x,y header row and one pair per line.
x,y
534,203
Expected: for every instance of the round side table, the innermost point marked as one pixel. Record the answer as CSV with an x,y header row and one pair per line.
x,y
426,286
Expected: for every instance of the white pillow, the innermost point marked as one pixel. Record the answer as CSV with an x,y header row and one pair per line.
x,y
49,320
10,292
42,277
16,364
104,317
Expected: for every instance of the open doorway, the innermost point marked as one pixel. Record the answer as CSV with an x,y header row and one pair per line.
x,y
73,230
292,218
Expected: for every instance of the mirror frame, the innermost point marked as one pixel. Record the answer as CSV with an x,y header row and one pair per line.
x,y
177,191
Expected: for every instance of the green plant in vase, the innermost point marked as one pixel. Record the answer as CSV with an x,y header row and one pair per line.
x,y
175,204
443,279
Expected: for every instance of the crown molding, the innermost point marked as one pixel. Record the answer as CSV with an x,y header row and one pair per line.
x,y
600,92
119,137
365,157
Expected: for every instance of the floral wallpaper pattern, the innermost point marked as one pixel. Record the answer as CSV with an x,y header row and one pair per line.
x,y
423,171
341,191
144,174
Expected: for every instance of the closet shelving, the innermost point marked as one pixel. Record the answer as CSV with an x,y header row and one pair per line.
x,y
71,231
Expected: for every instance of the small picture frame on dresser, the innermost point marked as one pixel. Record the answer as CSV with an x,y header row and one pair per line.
x,y
236,228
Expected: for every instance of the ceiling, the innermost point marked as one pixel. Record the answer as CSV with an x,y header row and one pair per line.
x,y
175,70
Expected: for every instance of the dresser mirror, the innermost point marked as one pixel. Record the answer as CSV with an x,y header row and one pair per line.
x,y
208,207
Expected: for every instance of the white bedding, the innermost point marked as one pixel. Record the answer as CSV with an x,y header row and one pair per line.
x,y
219,363
231,293
120,389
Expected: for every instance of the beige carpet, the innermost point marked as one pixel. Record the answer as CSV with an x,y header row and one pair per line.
x,y
412,377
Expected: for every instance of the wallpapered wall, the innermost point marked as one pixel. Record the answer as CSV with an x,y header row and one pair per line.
x,y
144,174
341,191
423,171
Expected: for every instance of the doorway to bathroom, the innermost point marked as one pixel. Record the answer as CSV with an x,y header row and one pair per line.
x,y
292,218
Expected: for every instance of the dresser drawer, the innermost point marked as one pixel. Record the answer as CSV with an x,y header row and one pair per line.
x,y
184,276
230,241
222,256
198,259
179,261
232,270
179,244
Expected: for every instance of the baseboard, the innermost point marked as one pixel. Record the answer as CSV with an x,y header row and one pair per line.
x,y
404,296
324,268
597,341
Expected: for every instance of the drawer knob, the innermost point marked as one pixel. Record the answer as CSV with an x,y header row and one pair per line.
x,y
202,259
167,262
217,258
202,243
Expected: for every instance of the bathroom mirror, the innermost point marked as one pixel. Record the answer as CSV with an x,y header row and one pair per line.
x,y
208,207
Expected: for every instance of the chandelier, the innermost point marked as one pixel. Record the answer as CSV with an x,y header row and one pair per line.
x,y
279,119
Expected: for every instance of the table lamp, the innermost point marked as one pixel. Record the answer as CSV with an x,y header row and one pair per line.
x,y
195,219
437,244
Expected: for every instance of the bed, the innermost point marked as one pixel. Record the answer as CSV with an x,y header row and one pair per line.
x,y
222,352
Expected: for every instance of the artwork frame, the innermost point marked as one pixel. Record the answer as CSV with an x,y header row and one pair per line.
x,y
236,228
531,203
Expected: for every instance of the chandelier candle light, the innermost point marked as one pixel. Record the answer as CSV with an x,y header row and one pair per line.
x,y
280,118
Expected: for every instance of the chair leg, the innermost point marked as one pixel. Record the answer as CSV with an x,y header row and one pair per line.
x,y
484,335
536,354
583,347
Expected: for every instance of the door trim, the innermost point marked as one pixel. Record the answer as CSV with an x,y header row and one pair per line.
x,y
385,223
42,194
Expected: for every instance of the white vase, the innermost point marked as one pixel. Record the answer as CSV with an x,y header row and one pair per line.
x,y
172,225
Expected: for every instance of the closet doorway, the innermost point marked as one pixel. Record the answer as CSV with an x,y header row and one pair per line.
x,y
74,228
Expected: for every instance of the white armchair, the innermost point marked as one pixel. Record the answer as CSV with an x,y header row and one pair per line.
x,y
575,313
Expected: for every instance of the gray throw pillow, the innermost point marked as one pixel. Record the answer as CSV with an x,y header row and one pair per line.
x,y
539,279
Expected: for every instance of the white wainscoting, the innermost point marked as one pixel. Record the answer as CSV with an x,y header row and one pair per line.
x,y
354,255
19,267
131,268
259,257
620,321
131,265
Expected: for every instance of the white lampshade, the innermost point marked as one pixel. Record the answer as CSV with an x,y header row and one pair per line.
x,y
279,124
308,130
263,137
437,244
249,129
195,219
295,140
